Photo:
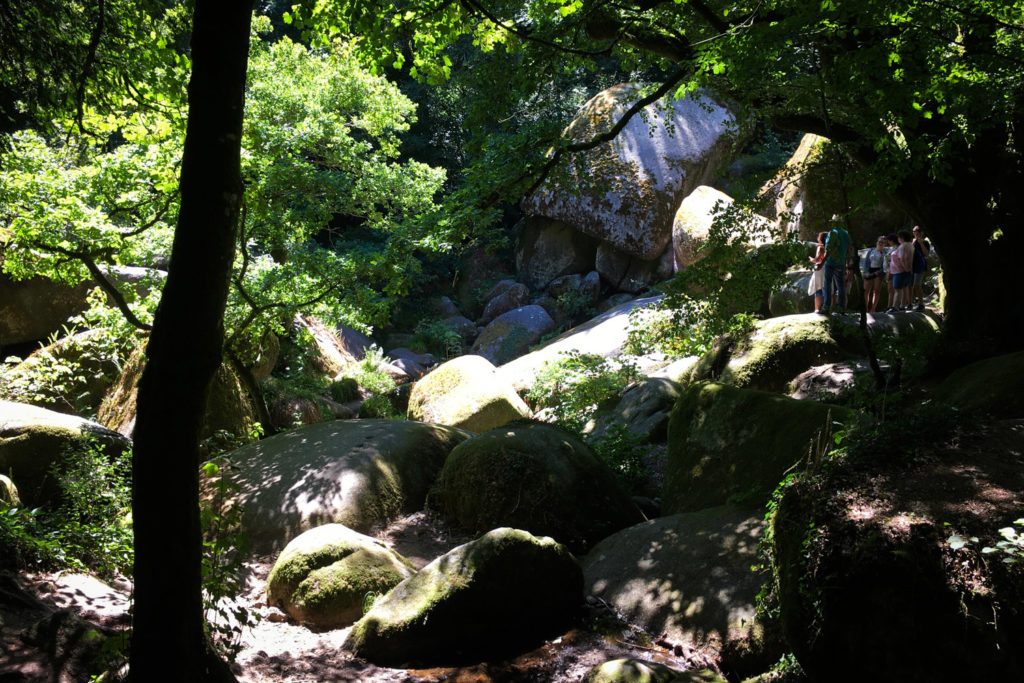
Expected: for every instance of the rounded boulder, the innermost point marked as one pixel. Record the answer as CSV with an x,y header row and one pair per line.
x,y
537,477
322,577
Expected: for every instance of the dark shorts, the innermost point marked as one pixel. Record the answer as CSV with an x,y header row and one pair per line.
x,y
901,280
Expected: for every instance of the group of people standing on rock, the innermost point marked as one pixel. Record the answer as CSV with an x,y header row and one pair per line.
x,y
898,257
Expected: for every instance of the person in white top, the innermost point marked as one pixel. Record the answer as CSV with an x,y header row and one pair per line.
x,y
873,268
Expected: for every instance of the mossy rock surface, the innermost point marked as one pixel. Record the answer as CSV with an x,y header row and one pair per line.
x,y
688,576
512,333
730,445
537,477
227,406
870,587
466,393
360,473
639,671
43,379
35,440
992,387
771,355
322,576
493,597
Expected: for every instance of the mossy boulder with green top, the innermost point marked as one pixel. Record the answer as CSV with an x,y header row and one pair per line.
x,y
537,477
34,442
322,577
777,350
466,393
730,445
496,596
639,671
360,473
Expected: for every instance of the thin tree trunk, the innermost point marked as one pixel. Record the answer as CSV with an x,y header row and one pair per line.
x,y
169,641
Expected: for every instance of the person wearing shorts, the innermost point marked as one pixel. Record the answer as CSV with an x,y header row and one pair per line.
x,y
901,267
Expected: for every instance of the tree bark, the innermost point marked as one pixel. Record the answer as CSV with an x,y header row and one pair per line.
x,y
169,640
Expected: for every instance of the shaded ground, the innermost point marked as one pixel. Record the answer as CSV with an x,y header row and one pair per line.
x,y
282,651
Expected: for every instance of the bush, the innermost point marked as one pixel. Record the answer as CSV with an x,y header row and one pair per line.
x,y
433,336
90,529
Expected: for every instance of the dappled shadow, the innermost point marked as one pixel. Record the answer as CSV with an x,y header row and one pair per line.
x,y
687,575
361,473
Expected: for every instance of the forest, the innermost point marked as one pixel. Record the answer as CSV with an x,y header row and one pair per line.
x,y
485,340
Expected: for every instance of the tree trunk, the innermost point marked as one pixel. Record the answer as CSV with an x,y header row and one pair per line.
x,y
169,641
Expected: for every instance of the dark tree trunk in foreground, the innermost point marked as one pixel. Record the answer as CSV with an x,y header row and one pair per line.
x,y
169,641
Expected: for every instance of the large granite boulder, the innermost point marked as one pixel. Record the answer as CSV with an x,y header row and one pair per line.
x,y
492,597
467,393
228,408
322,576
810,189
729,445
548,249
34,441
360,473
511,334
604,335
693,220
625,192
536,477
688,576
879,560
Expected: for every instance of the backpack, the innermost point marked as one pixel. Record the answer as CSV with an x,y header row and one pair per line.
x,y
919,263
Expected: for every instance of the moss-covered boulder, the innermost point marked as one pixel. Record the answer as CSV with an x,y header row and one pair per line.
x,y
360,473
772,354
511,334
70,375
688,576
322,577
466,392
493,597
729,445
992,387
639,671
228,408
776,351
871,583
34,441
537,477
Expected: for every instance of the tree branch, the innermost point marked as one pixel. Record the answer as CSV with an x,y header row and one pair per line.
x,y
88,260
90,59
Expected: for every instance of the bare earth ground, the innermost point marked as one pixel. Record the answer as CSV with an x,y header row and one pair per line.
x,y
277,649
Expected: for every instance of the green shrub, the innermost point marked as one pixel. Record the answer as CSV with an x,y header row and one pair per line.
x,y
571,388
569,392
89,529
433,336
378,406
344,390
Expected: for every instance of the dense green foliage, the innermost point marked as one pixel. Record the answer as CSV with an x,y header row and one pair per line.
x,y
89,529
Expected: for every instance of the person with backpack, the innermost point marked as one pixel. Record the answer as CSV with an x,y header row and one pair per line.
x,y
837,246
922,249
